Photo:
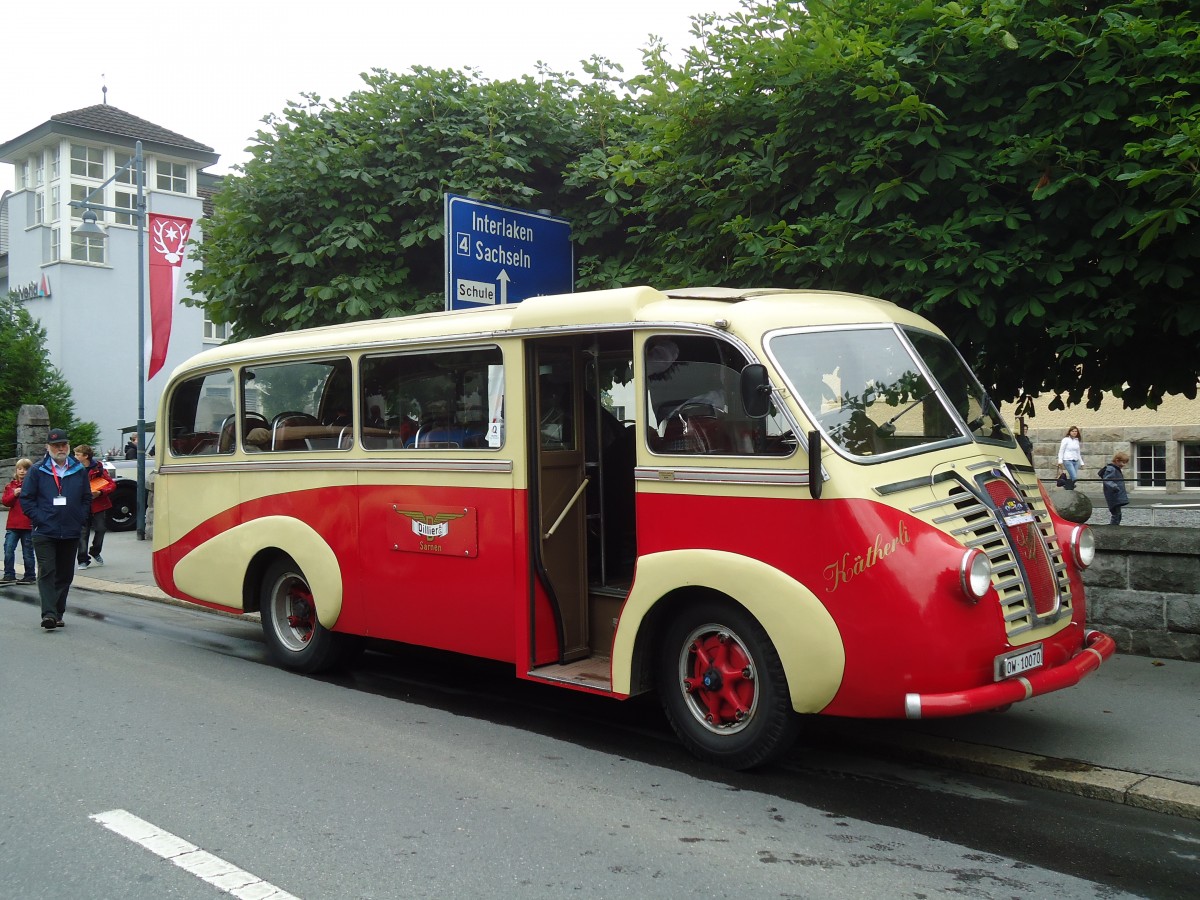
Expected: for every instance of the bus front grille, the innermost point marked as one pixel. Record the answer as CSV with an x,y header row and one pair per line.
x,y
1028,571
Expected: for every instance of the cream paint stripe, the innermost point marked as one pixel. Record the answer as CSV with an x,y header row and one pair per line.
x,y
175,850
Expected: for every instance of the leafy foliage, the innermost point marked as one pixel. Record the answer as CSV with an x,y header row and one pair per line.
x,y
26,378
338,216
1023,172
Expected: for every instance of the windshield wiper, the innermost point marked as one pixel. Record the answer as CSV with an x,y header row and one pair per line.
x,y
888,428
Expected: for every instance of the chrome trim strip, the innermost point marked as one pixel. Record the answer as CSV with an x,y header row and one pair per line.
x,y
473,466
898,486
912,706
696,475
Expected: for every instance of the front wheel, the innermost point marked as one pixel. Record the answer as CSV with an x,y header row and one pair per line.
x,y
122,515
295,638
723,687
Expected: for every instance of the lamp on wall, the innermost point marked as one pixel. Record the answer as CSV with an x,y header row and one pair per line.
x,y
90,228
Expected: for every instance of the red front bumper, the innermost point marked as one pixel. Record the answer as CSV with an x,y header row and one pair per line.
x,y
1097,647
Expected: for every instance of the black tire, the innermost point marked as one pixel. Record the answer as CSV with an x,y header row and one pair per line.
x,y
723,687
295,639
123,514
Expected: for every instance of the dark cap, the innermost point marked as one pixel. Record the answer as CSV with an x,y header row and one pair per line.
x,y
57,436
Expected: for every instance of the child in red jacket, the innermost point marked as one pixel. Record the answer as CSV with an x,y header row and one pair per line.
x,y
18,529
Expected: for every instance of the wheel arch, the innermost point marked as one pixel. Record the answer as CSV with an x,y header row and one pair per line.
x,y
797,623
233,563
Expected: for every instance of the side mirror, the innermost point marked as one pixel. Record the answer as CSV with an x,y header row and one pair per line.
x,y
756,391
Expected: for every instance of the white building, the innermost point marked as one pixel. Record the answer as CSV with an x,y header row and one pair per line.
x,y
84,290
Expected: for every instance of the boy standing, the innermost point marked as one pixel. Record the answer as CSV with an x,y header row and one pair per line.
x,y
17,529
1114,486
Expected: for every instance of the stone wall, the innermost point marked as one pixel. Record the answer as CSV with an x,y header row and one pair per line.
x,y
1144,590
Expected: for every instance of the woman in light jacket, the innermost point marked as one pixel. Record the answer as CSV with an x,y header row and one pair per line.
x,y
1069,457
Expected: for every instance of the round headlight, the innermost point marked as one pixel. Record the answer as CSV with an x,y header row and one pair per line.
x,y
1083,546
975,574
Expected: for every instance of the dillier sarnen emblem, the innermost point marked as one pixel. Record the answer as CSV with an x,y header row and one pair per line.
x,y
427,526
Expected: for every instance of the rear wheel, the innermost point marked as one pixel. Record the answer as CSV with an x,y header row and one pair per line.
x,y
296,639
723,687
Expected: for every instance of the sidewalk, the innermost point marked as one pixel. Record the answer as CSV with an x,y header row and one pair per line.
x,y
1129,733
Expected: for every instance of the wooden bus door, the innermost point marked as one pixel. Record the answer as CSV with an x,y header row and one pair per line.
x,y
557,436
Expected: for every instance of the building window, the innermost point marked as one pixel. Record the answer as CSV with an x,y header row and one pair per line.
x,y
55,166
40,171
55,199
1191,465
86,248
172,177
80,192
39,208
23,176
1151,462
216,333
87,162
124,200
55,245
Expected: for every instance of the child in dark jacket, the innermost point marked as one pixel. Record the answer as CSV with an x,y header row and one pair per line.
x,y
1115,494
18,529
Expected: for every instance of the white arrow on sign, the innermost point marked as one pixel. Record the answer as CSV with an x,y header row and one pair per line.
x,y
503,279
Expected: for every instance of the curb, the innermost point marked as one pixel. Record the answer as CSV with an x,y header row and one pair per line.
x,y
1071,776
146,592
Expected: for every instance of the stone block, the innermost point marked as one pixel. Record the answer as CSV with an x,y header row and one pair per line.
x,y
1132,609
1183,614
1110,570
1164,573
1164,645
1180,541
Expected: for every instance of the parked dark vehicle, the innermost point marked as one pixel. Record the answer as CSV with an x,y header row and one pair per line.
x,y
123,515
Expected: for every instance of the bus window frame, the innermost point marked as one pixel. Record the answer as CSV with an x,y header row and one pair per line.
x,y
378,353
813,418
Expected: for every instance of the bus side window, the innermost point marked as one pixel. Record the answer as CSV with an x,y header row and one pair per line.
x,y
694,404
296,405
196,414
433,400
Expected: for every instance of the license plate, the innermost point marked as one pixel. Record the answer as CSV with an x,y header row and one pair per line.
x,y
1015,663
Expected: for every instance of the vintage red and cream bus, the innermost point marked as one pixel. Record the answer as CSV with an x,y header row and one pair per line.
x,y
759,503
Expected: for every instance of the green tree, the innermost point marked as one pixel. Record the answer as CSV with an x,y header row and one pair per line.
x,y
26,378
338,215
1022,172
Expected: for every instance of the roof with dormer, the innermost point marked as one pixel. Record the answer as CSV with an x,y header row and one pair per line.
x,y
114,126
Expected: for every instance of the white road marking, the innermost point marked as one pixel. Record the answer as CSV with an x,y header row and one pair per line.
x,y
220,874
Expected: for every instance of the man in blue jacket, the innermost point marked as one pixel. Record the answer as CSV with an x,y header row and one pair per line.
x,y
57,497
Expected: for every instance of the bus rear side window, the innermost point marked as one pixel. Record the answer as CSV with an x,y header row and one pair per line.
x,y
301,405
200,413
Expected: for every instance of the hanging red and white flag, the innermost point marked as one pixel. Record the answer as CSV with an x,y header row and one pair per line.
x,y
168,245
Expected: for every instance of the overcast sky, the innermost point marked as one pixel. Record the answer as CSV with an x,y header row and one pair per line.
x,y
211,71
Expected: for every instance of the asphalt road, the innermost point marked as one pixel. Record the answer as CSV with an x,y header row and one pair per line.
x,y
423,775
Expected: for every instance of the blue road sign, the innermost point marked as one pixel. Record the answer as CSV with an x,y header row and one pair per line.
x,y
495,254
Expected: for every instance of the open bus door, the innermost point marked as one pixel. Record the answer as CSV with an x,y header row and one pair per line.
x,y
556,438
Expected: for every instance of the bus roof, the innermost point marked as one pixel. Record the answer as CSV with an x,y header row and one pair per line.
x,y
745,311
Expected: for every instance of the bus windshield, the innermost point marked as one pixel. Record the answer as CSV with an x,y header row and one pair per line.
x,y
885,389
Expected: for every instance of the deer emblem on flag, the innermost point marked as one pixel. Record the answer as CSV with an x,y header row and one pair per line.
x,y
168,245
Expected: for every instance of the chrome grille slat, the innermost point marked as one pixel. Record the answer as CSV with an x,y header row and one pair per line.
x,y
967,518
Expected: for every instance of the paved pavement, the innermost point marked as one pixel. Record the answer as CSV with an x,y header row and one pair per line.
x,y
1129,733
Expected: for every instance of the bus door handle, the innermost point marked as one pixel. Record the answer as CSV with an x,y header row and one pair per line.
x,y
566,509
